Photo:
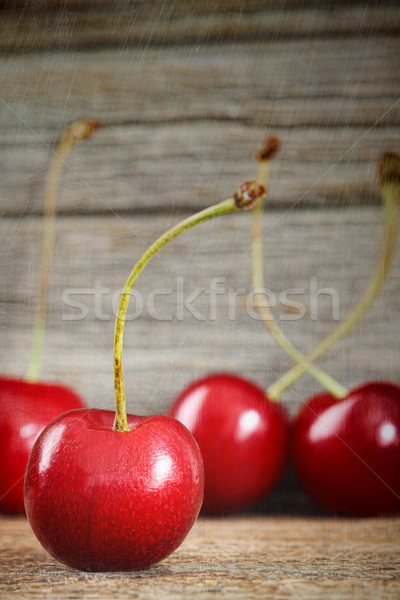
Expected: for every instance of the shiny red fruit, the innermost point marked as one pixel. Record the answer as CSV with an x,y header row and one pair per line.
x,y
242,437
347,452
105,500
25,409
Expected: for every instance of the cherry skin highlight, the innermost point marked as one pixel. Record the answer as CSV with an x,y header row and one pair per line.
x,y
104,500
242,438
347,452
25,409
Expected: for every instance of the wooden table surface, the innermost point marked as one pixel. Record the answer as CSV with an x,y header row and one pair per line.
x,y
187,92
241,557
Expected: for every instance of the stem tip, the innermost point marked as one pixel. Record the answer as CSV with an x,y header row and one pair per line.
x,y
246,196
270,148
81,130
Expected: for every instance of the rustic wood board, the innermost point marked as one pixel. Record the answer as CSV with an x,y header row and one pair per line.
x,y
185,167
239,558
182,127
334,251
72,25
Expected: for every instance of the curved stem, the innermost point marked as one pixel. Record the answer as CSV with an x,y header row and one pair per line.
x,y
244,198
80,130
321,376
391,196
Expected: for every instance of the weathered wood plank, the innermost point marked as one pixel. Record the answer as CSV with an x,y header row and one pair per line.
x,y
237,558
195,118
131,169
168,342
231,83
148,24
189,8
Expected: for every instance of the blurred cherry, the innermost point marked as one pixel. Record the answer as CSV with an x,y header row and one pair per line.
x,y
242,438
25,409
347,452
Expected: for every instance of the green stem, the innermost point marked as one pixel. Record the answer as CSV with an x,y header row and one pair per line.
x,y
391,198
259,290
244,199
80,130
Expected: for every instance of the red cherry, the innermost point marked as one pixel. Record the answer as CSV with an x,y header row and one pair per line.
x,y
242,437
25,409
105,500
347,452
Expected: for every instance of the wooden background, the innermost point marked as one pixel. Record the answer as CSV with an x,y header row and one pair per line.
x,y
187,92
234,559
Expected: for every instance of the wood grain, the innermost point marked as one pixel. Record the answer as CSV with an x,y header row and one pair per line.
x,y
184,167
305,251
239,558
186,23
182,127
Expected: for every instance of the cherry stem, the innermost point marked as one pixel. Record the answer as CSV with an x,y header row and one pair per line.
x,y
389,180
80,130
264,157
244,199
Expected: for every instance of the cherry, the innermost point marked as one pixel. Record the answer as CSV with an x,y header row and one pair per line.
x,y
26,406
242,438
242,435
346,446
111,493
106,500
346,452
25,409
